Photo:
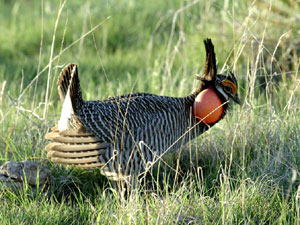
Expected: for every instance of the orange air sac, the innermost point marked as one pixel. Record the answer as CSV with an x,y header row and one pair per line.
x,y
208,106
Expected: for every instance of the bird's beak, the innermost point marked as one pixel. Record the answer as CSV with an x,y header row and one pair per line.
x,y
236,99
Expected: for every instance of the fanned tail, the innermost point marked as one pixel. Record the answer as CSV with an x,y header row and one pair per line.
x,y
70,95
71,143
69,86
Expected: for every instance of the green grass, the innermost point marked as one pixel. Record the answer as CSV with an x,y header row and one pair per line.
x,y
244,170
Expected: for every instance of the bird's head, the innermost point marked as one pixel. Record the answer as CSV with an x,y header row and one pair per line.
x,y
225,85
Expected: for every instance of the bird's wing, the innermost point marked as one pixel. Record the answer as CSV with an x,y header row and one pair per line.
x,y
75,147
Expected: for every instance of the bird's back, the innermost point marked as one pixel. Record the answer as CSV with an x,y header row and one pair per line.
x,y
139,128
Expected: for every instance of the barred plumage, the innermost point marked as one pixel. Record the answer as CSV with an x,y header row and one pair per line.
x,y
123,135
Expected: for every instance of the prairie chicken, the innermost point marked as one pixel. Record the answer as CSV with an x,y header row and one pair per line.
x,y
125,135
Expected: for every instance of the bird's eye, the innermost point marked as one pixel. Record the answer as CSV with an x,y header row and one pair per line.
x,y
228,89
229,86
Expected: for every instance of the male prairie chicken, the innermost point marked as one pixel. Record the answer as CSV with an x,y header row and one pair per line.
x,y
125,135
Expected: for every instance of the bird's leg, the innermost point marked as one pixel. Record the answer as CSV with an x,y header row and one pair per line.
x,y
124,188
119,188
